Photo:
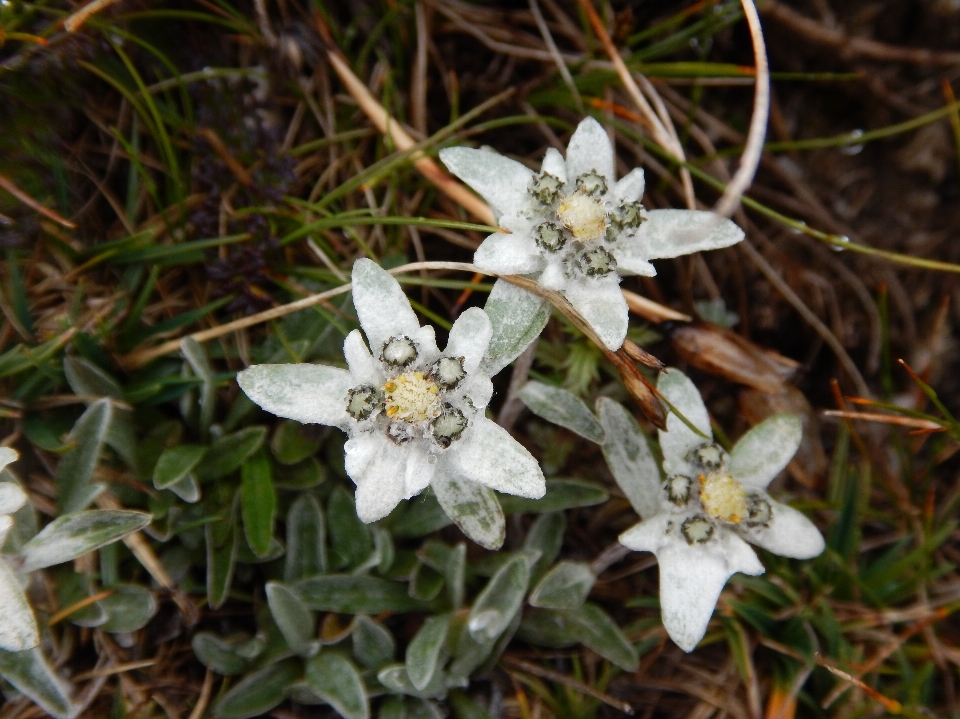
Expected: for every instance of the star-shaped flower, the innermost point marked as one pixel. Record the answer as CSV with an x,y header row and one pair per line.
x,y
580,228
414,415
697,520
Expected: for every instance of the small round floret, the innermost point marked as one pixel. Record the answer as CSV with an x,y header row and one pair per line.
x,y
546,188
448,372
411,397
399,351
592,183
628,216
449,426
709,456
596,262
678,488
759,511
549,236
697,530
363,401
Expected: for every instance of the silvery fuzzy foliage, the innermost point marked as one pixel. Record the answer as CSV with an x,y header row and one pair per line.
x,y
579,229
22,662
414,415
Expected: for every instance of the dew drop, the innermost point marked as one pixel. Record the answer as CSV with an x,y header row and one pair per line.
x,y
853,149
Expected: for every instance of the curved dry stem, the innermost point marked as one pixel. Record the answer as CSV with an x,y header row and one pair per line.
x,y
753,150
138,358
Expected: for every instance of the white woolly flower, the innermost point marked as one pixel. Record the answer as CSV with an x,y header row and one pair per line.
x,y
18,627
414,414
696,521
578,227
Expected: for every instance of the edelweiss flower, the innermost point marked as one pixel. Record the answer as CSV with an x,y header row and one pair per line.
x,y
578,227
414,414
710,503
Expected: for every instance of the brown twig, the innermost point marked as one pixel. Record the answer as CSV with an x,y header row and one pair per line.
x,y
75,21
10,187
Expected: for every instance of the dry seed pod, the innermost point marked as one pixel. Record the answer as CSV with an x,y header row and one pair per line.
x,y
724,353
638,354
642,392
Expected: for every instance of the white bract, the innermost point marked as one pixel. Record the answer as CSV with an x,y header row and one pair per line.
x,y
709,504
18,628
414,414
578,227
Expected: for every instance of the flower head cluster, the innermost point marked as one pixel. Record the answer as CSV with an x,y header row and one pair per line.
x,y
414,414
579,228
711,504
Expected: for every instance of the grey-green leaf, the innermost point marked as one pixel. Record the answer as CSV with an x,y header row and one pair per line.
x,y
259,692
500,599
306,540
562,407
333,677
565,586
350,539
295,621
218,655
425,649
546,537
395,679
76,468
175,463
373,644
629,458
228,452
356,595
196,357
291,442
561,494
129,609
31,673
258,502
87,379
221,559
73,535
599,632
473,507
518,317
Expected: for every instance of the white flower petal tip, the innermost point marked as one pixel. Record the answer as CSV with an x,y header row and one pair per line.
x,y
8,455
469,338
382,308
589,149
308,393
679,440
691,580
630,187
554,164
789,533
672,233
513,254
491,457
763,452
500,181
602,305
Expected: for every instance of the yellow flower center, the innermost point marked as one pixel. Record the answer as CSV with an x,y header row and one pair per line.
x,y
411,397
723,497
584,216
